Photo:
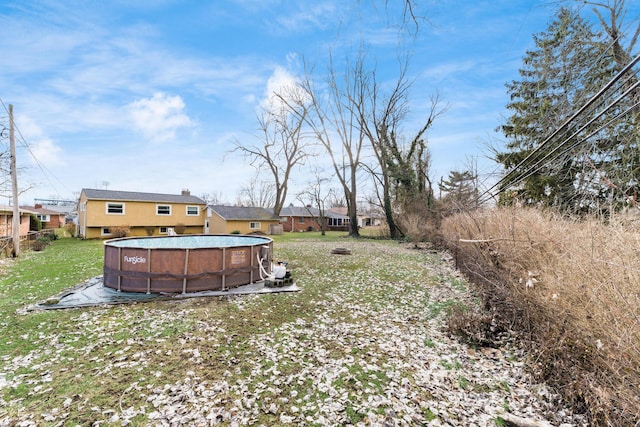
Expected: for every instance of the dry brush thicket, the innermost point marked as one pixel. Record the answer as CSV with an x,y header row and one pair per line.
x,y
571,289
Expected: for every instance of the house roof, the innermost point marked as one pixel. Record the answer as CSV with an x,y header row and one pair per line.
x,y
9,209
61,209
339,211
244,213
42,211
301,211
134,196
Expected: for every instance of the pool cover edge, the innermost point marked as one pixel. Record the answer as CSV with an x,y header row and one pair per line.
x,y
92,293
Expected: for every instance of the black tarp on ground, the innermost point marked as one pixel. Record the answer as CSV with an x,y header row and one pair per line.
x,y
93,293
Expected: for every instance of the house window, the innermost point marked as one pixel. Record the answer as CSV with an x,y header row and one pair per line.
x,y
163,209
105,231
301,220
164,230
192,211
115,208
43,218
338,222
255,226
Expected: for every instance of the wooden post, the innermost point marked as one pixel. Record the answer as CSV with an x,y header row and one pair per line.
x,y
15,222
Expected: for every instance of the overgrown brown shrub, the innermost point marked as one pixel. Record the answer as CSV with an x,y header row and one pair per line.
x,y
180,228
70,228
38,245
120,231
419,223
571,290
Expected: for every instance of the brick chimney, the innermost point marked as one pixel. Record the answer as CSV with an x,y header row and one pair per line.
x,y
186,192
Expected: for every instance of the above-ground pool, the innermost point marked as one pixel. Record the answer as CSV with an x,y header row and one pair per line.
x,y
185,263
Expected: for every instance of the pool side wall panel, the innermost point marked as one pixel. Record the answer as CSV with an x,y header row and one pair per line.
x,y
205,260
177,270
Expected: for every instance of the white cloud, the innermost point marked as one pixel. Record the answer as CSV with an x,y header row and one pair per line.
x,y
43,150
159,118
308,17
47,152
281,83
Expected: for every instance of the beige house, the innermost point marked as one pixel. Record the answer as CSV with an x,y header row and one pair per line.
x,y
102,213
242,220
6,221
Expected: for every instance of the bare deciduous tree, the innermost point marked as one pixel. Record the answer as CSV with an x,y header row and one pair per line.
x,y
257,193
317,195
402,169
282,147
612,25
213,198
334,124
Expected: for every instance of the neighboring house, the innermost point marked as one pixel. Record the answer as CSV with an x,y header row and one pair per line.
x,y
48,217
66,207
101,211
295,218
6,221
337,219
243,220
364,219
371,219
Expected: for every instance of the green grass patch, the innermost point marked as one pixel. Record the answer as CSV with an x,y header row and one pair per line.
x,y
93,363
439,307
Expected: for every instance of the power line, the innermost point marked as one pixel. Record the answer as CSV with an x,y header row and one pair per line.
x,y
27,147
525,168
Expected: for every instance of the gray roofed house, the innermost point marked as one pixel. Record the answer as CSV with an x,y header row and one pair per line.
x,y
307,218
110,213
135,196
243,219
243,212
49,218
298,211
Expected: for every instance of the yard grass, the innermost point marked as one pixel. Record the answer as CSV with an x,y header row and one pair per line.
x,y
353,345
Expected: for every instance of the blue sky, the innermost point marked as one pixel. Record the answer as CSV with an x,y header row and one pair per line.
x,y
150,95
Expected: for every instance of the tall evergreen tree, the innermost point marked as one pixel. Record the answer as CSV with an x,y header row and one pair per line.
x,y
557,153
459,192
558,76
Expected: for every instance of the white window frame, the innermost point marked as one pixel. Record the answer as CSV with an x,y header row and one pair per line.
x,y
338,222
163,206
197,213
105,233
43,217
106,208
163,230
254,225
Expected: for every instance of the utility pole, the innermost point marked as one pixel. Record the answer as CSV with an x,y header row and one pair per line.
x,y
15,222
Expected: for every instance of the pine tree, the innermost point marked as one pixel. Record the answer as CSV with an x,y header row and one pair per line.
x,y
557,77
459,192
